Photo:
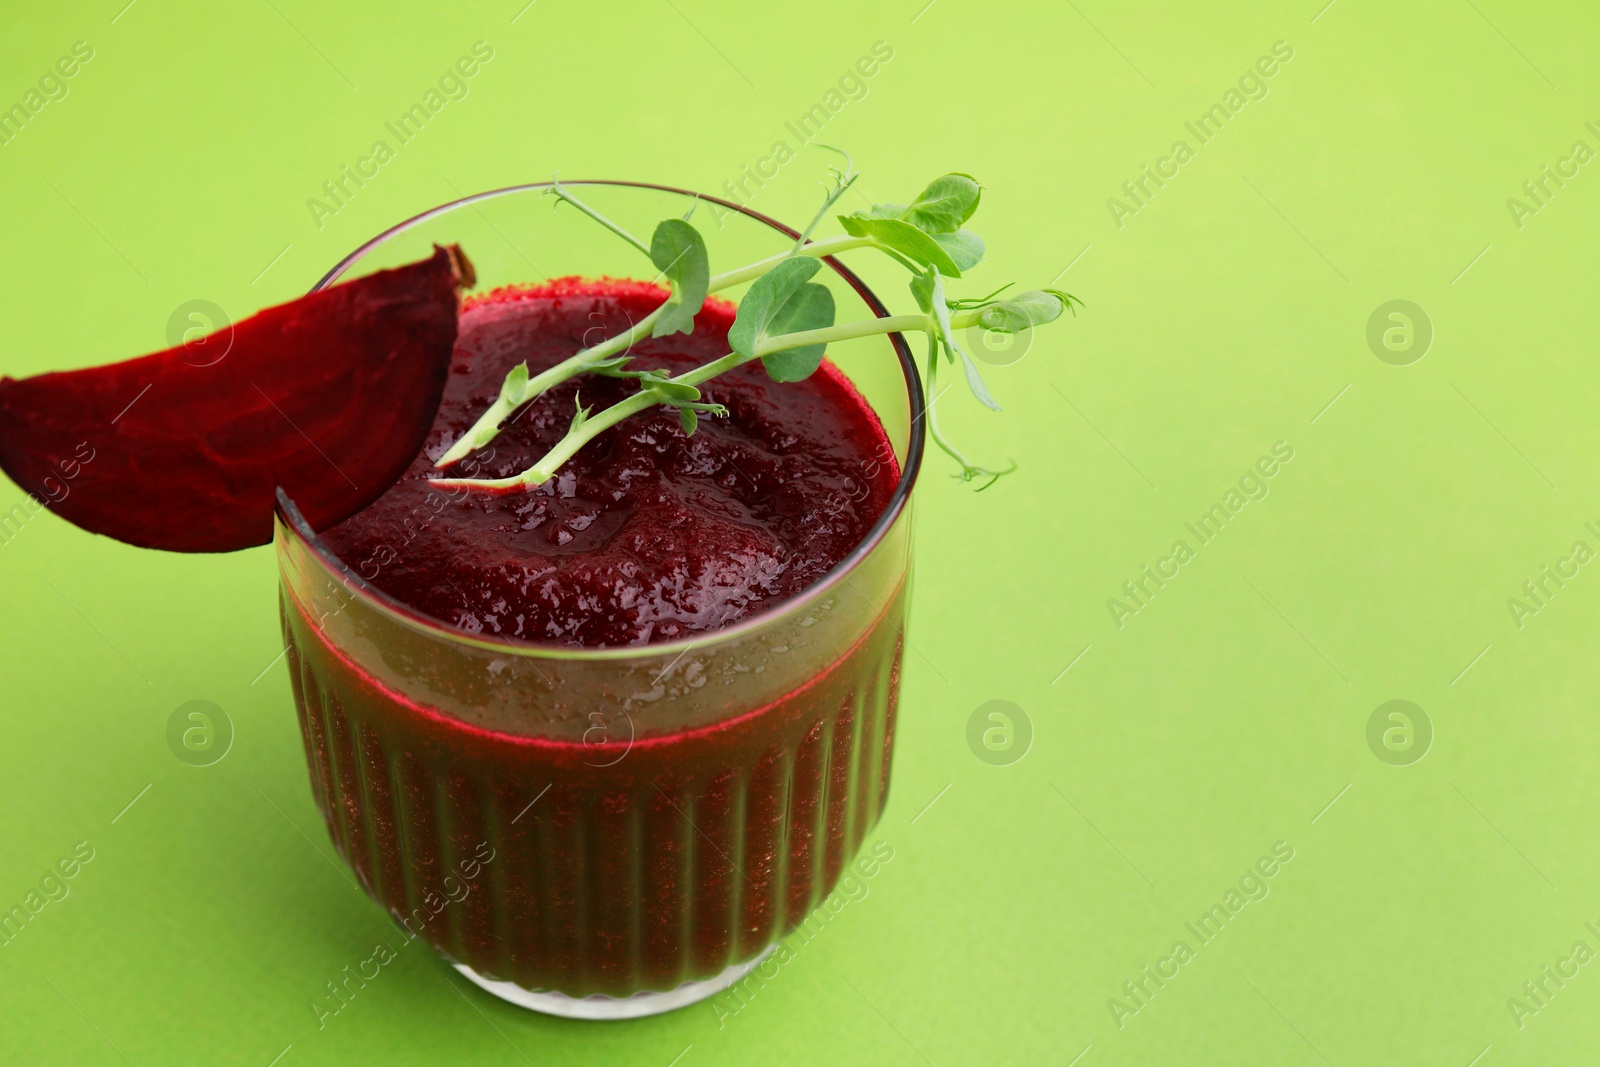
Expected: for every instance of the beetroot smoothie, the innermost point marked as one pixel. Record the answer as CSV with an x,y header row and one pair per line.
x,y
647,534
501,754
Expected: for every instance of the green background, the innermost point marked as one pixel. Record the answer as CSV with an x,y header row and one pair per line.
x,y
1228,714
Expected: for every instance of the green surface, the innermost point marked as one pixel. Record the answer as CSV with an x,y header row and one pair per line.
x,y
1229,713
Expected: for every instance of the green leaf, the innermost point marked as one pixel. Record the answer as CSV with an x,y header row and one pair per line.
x,y
1033,308
940,311
676,393
672,392
975,382
941,208
945,204
904,238
810,308
516,382
766,298
688,420
580,416
922,290
964,247
932,289
679,253
783,300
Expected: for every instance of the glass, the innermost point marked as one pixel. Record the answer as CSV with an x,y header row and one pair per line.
x,y
618,832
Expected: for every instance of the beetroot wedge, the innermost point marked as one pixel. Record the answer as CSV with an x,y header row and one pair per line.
x,y
329,396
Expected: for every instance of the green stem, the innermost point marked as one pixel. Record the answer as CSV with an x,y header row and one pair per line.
x,y
488,425
849,331
933,397
560,193
569,445
591,428
816,250
969,471
843,180
707,371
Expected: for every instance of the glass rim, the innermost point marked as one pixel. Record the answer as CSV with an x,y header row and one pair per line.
x,y
289,517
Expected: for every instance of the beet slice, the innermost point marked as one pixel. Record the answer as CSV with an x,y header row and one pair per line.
x,y
330,396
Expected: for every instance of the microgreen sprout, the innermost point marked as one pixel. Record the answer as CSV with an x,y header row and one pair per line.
x,y
842,181
785,319
559,192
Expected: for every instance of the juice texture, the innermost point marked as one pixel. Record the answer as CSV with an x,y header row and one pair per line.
x,y
587,826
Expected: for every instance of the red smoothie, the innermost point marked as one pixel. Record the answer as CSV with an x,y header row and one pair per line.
x,y
647,534
579,825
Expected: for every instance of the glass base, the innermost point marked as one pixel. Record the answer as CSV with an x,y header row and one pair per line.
x,y
603,1007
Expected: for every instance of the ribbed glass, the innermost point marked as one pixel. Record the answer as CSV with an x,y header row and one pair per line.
x,y
620,820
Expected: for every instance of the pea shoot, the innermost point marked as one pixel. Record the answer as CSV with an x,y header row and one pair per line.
x,y
785,320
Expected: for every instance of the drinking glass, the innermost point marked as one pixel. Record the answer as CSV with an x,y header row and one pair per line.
x,y
607,833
